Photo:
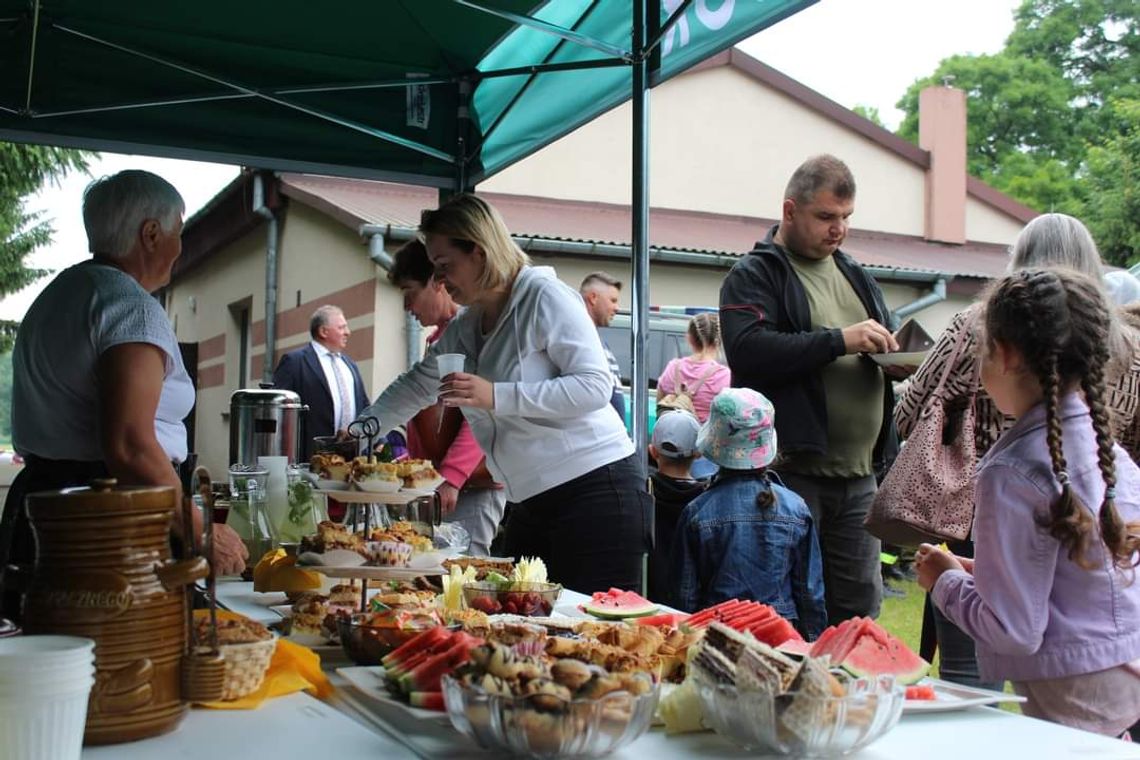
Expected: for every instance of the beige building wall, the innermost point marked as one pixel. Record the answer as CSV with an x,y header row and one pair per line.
x,y
989,224
220,287
722,142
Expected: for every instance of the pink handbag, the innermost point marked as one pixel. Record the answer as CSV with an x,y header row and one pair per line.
x,y
928,494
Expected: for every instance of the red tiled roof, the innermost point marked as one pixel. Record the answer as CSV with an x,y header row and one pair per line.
x,y
356,202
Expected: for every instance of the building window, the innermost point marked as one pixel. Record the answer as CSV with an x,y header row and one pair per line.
x,y
240,312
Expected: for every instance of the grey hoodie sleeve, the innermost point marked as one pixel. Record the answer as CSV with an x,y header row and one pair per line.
x,y
416,389
584,383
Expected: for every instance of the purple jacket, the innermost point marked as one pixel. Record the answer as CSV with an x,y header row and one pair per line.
x,y
1033,613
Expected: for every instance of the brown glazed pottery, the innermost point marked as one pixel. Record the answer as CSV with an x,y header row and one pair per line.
x,y
103,570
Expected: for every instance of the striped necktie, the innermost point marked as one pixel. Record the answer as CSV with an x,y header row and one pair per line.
x,y
342,390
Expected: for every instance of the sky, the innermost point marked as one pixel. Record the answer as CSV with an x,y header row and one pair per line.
x,y
856,52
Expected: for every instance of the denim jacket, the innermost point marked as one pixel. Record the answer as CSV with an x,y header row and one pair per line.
x,y
727,547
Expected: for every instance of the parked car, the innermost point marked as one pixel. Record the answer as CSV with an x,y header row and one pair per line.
x,y
666,341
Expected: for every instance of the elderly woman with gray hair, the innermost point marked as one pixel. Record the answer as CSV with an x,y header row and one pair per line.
x,y
98,385
1050,240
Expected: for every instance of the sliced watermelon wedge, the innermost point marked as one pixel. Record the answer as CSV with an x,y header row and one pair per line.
x,y
616,604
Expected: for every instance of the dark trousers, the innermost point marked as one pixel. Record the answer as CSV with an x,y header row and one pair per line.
x,y
852,581
591,532
17,543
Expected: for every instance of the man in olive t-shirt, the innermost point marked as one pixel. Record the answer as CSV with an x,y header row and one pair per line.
x,y
797,315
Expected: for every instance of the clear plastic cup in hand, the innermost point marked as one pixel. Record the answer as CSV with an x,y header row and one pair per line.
x,y
449,363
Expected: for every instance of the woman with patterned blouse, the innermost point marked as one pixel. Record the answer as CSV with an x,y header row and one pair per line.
x,y
1048,240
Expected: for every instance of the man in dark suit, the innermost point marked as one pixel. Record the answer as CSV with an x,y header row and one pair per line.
x,y
325,378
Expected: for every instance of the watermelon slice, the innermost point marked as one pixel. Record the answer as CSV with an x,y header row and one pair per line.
x,y
863,648
795,646
774,631
428,700
427,675
665,618
616,604
424,640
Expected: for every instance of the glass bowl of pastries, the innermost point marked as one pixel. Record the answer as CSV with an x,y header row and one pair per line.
x,y
765,700
538,707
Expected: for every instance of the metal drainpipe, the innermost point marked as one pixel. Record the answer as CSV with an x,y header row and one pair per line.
x,y
271,234
375,234
936,295
937,281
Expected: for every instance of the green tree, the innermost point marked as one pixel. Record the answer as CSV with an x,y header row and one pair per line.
x,y
1094,44
870,113
1052,120
1113,206
24,169
1019,126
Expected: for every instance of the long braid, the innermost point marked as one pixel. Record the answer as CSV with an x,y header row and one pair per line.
x,y
1068,522
1113,531
1061,324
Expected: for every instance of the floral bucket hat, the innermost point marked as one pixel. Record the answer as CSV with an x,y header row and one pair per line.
x,y
740,432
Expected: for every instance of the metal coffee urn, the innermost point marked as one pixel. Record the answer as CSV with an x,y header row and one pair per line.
x,y
265,422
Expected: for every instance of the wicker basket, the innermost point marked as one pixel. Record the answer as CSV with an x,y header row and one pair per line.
x,y
246,665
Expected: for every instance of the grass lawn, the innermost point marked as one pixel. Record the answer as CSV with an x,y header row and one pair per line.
x,y
902,617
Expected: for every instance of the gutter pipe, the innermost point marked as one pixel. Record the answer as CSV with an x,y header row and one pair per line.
x,y
271,239
936,280
375,233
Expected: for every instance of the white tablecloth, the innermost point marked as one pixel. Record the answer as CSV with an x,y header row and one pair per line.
x,y
298,726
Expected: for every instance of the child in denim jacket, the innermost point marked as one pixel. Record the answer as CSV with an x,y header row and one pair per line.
x,y
746,537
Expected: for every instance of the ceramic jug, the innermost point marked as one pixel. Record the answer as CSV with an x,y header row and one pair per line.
x,y
104,571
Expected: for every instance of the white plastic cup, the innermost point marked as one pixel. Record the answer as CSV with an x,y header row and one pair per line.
x,y
19,653
449,363
45,682
49,725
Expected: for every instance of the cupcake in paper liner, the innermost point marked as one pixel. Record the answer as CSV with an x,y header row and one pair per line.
x,y
740,432
390,553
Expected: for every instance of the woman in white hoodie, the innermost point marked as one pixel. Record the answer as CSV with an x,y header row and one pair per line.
x,y
536,391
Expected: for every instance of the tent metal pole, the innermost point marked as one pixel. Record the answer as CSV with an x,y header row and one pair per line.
x,y
639,290
32,56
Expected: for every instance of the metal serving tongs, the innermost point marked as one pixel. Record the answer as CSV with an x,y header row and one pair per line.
x,y
203,670
365,429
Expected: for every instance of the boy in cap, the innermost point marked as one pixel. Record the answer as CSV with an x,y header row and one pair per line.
x,y
674,447
746,537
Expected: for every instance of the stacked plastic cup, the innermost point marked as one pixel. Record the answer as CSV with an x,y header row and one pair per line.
x,y
44,685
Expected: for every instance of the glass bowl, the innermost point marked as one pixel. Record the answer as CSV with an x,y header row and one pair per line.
x,y
527,726
527,599
800,724
368,644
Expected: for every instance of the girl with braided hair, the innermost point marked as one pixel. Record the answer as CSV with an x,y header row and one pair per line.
x,y
1052,599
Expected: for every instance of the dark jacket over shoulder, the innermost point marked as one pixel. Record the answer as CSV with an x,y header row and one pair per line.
x,y
300,371
765,324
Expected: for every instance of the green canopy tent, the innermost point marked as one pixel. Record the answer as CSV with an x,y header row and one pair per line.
x,y
435,92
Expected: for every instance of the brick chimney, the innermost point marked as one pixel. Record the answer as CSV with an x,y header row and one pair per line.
x,y
942,132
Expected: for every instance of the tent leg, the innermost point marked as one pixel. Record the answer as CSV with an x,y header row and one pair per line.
x,y
639,288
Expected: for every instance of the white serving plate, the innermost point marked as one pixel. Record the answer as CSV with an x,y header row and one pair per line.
x,y
332,485
900,358
377,572
334,558
378,486
369,681
953,696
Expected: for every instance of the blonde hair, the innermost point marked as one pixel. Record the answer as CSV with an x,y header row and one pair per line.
x,y
470,221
